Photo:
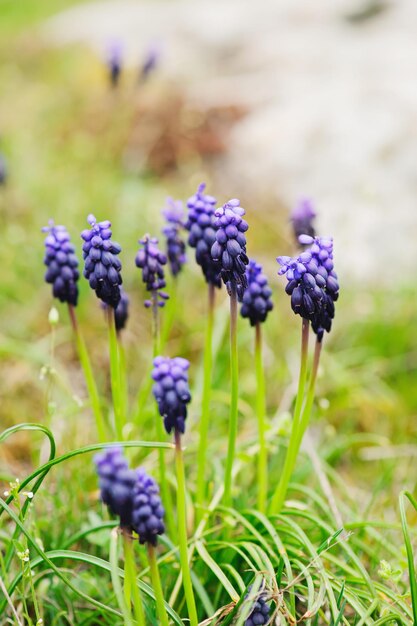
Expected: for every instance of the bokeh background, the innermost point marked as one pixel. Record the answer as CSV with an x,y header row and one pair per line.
x,y
266,102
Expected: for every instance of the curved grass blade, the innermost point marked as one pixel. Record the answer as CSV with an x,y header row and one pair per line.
x,y
410,556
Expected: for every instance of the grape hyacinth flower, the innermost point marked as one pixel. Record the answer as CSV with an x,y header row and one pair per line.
x,y
147,512
151,261
117,484
150,61
302,218
202,233
173,214
229,248
62,264
256,299
312,282
102,267
114,61
260,612
171,391
121,312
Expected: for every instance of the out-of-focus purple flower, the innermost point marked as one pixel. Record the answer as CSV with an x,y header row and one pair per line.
x,y
150,61
151,261
117,484
3,170
114,61
302,218
200,224
312,282
62,264
174,214
121,312
171,391
148,512
229,249
102,267
256,299
260,611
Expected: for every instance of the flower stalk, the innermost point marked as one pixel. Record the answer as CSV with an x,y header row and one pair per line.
x,y
115,375
157,587
233,422
131,591
261,415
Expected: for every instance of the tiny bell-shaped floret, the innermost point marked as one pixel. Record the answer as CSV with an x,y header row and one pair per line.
x,y
62,264
229,248
151,261
148,512
260,612
202,233
102,266
173,214
256,299
171,391
116,483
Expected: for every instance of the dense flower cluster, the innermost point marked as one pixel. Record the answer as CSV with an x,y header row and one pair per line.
x,y
151,261
260,613
173,214
121,312
229,249
132,495
171,391
62,264
148,512
302,218
256,299
200,224
116,483
312,282
114,62
102,267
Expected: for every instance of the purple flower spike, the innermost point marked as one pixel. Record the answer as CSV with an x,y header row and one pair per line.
x,y
229,249
117,484
121,312
151,261
150,61
171,391
114,61
148,512
102,267
260,612
62,264
302,218
256,299
200,224
173,214
312,282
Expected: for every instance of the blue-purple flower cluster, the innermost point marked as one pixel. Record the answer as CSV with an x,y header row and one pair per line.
x,y
173,214
102,267
260,612
132,495
151,261
114,61
229,249
256,299
200,224
62,264
302,218
171,391
312,282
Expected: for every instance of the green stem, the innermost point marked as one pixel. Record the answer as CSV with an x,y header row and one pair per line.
x,y
305,416
261,414
155,323
169,315
115,375
205,406
88,375
182,532
124,393
293,446
233,398
157,587
117,587
131,587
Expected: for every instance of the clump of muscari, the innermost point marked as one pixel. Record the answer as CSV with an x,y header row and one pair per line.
x,y
151,261
114,61
102,267
62,264
173,214
171,391
202,233
229,248
132,495
256,299
312,282
302,218
260,612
